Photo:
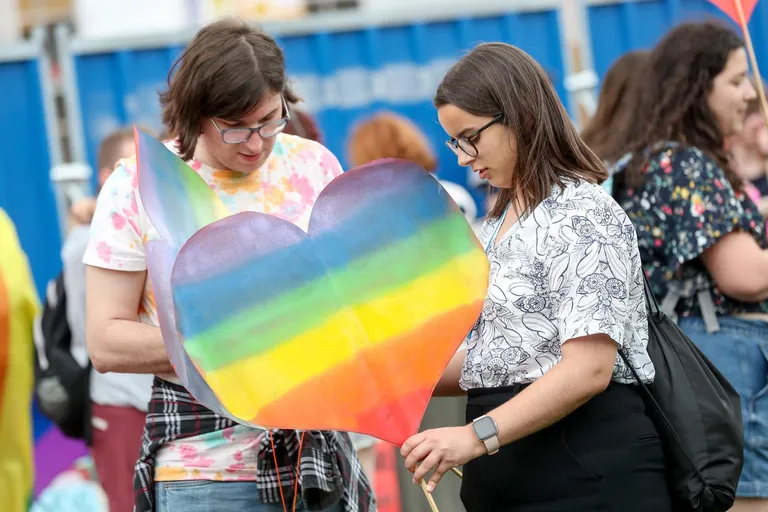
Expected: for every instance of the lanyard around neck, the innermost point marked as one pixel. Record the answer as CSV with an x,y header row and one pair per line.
x,y
496,231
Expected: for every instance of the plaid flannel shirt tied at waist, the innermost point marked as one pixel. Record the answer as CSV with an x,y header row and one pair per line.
x,y
329,469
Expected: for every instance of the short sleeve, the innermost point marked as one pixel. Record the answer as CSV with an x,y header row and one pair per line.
x,y
116,238
593,276
698,203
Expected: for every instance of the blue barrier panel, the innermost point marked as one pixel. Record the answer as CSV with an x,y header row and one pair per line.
x,y
26,193
348,75
639,24
345,72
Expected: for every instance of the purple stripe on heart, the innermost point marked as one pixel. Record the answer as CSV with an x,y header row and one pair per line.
x,y
361,186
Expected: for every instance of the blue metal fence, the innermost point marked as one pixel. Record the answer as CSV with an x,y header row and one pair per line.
x,y
28,153
344,72
616,28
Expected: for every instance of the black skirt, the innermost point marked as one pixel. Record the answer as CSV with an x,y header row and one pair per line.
x,y
605,456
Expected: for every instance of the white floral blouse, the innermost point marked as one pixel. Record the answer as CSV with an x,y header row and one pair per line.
x,y
568,269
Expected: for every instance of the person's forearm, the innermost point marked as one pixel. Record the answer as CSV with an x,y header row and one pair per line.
x,y
125,346
448,385
563,389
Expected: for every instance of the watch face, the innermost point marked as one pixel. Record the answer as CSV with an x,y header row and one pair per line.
x,y
485,428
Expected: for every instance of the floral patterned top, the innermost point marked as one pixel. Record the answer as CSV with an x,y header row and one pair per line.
x,y
570,268
686,205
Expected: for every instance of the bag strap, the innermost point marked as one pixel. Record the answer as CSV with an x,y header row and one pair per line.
x,y
653,310
650,299
703,290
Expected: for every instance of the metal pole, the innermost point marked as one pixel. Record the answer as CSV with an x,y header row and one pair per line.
x,y
581,80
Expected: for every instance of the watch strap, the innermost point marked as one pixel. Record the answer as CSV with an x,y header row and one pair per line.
x,y
492,445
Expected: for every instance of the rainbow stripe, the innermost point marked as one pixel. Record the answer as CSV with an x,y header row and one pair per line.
x,y
181,202
306,331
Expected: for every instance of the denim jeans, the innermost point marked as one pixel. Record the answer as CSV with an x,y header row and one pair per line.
x,y
740,351
212,496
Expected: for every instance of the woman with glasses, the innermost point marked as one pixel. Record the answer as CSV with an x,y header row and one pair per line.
x,y
555,421
225,108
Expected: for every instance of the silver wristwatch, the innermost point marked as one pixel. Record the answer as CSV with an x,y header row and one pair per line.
x,y
486,431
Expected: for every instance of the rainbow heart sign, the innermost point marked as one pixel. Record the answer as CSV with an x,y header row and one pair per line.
x,y
347,326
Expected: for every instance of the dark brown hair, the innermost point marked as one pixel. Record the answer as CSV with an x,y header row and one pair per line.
x,y
500,79
618,93
224,72
673,102
388,135
110,146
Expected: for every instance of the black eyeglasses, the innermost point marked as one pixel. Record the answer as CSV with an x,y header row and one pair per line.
x,y
265,131
467,143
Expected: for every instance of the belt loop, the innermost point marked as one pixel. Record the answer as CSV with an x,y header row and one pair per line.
x,y
669,303
708,311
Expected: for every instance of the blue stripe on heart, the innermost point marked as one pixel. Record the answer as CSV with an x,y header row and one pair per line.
x,y
233,290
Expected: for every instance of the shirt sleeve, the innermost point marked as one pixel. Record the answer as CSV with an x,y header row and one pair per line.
x,y
594,272
698,203
116,238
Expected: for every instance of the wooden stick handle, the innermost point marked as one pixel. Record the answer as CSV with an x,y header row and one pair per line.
x,y
457,473
752,58
430,499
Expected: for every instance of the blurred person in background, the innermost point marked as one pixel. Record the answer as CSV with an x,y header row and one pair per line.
x,y
117,144
749,149
225,109
18,309
618,93
554,420
118,400
702,240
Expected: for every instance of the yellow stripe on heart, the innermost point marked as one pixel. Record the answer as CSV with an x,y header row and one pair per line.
x,y
274,373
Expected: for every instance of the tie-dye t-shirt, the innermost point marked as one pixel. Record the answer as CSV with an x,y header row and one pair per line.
x,y
286,186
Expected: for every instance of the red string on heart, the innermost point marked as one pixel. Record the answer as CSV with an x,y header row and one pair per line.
x,y
277,468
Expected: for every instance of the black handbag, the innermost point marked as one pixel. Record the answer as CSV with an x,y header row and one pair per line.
x,y
698,415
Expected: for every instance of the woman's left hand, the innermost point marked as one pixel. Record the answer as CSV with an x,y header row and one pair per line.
x,y
440,449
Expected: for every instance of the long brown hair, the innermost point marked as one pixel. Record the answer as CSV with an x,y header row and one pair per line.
x,y
224,72
499,79
673,102
619,91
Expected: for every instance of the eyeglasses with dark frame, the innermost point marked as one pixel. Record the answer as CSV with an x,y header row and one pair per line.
x,y
265,131
467,143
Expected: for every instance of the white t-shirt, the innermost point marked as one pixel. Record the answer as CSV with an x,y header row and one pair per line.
x,y
287,186
570,268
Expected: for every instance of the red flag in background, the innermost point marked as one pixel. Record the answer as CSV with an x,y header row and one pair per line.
x,y
729,8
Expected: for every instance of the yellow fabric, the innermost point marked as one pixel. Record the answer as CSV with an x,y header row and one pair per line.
x,y
18,307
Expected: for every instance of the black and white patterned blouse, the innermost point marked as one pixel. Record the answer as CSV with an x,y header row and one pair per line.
x,y
570,268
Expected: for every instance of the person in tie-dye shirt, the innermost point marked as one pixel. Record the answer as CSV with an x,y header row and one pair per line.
x,y
226,108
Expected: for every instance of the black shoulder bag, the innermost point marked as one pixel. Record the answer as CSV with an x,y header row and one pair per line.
x,y
698,415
